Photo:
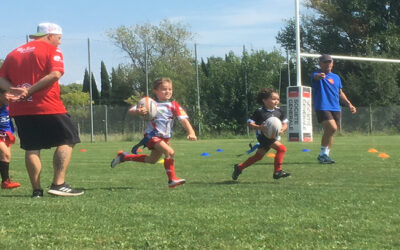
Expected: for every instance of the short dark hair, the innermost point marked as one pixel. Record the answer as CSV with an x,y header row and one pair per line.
x,y
160,81
264,93
325,58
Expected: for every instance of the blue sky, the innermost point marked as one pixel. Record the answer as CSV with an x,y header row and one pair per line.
x,y
219,26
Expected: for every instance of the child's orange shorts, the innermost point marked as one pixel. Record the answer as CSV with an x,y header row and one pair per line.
x,y
154,140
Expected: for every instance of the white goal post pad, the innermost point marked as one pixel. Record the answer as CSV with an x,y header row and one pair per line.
x,y
299,113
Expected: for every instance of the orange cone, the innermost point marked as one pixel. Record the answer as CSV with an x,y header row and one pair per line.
x,y
383,155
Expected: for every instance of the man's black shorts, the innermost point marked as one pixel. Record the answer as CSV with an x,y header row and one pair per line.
x,y
324,115
45,131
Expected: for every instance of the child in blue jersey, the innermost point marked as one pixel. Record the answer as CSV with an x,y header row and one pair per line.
x,y
269,99
327,90
6,139
159,131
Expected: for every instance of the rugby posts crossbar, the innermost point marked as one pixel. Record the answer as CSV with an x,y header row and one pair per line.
x,y
354,58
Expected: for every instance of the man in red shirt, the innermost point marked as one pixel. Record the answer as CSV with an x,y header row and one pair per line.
x,y
31,73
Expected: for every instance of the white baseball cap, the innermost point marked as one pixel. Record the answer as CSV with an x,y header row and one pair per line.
x,y
45,29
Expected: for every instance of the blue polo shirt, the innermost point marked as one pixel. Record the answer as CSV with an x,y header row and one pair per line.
x,y
326,92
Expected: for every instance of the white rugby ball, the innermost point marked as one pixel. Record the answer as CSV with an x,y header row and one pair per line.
x,y
274,126
151,107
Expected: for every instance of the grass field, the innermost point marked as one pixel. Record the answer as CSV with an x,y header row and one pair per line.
x,y
352,204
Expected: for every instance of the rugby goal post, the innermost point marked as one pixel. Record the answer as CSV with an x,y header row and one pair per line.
x,y
299,104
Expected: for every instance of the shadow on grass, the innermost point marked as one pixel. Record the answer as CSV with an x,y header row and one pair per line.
x,y
231,182
15,195
108,188
290,163
84,189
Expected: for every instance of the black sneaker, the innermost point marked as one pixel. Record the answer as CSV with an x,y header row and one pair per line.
x,y
236,172
37,193
280,174
64,190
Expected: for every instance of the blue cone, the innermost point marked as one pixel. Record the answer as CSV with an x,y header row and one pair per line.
x,y
220,150
306,150
205,154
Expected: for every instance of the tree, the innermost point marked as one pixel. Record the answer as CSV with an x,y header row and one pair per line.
x,y
86,88
122,85
166,40
359,28
65,89
105,85
167,54
224,82
75,98
76,102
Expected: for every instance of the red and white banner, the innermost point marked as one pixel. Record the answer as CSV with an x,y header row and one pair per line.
x,y
299,113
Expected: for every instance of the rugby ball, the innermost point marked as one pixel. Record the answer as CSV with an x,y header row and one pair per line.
x,y
151,107
273,127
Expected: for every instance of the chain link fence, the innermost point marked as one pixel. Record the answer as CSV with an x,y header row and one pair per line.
x,y
114,123
372,120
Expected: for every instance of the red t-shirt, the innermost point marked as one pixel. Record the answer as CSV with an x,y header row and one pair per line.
x,y
26,65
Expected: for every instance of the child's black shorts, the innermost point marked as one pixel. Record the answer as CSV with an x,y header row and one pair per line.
x,y
45,131
265,143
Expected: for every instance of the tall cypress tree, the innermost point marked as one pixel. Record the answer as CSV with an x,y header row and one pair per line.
x,y
86,88
105,85
95,91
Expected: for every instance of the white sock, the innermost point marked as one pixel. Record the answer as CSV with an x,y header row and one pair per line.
x,y
328,150
324,151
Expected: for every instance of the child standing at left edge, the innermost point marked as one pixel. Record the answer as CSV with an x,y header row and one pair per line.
x,y
6,139
158,131
269,99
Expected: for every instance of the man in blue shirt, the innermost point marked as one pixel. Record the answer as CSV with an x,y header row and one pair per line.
x,y
327,90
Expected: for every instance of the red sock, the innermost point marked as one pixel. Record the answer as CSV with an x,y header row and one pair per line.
x,y
170,169
280,153
139,158
250,161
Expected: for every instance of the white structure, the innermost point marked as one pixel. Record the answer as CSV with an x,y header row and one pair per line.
x,y
299,113
299,105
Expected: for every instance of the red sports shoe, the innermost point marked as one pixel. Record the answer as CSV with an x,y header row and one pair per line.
x,y
8,184
176,182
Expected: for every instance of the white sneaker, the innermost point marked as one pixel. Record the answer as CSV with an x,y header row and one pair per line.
x,y
118,159
176,182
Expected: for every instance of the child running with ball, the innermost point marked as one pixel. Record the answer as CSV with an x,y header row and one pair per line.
x,y
269,99
158,131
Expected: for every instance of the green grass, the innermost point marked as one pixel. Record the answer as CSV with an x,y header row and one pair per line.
x,y
352,204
